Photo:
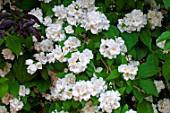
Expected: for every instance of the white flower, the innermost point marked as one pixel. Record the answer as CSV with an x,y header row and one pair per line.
x,y
15,104
47,21
23,91
164,105
95,22
90,108
38,13
109,100
159,85
3,109
154,108
133,21
60,11
131,111
31,69
129,70
29,62
85,3
7,54
46,1
69,29
110,48
72,42
55,32
161,44
155,18
55,111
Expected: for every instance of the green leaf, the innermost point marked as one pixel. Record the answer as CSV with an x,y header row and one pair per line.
x,y
118,110
2,80
14,44
121,90
66,105
24,99
13,88
141,51
75,104
138,94
164,36
3,89
28,42
167,45
78,30
125,108
44,74
1,41
110,62
166,3
114,74
145,37
82,77
119,5
26,4
20,71
148,68
145,107
148,86
42,85
112,32
130,39
166,70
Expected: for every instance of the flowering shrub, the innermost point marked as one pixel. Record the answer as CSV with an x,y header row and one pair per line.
x,y
84,56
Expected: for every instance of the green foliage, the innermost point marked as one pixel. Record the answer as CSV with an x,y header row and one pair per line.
x,y
112,32
166,3
145,107
14,44
165,70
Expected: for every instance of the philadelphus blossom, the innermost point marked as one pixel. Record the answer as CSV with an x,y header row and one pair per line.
x,y
129,70
159,85
38,13
155,18
109,100
111,48
23,91
161,44
33,67
55,111
154,108
3,109
85,3
5,70
131,111
133,21
90,108
55,32
16,105
46,1
7,54
60,11
62,88
95,22
47,21
83,90
164,105
78,61
69,29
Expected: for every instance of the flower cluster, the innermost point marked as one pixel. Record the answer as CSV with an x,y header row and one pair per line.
x,y
23,91
109,100
83,13
159,85
67,88
111,48
5,70
78,61
95,22
90,108
154,18
129,70
131,111
133,21
164,105
7,54
16,104
55,111
3,109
